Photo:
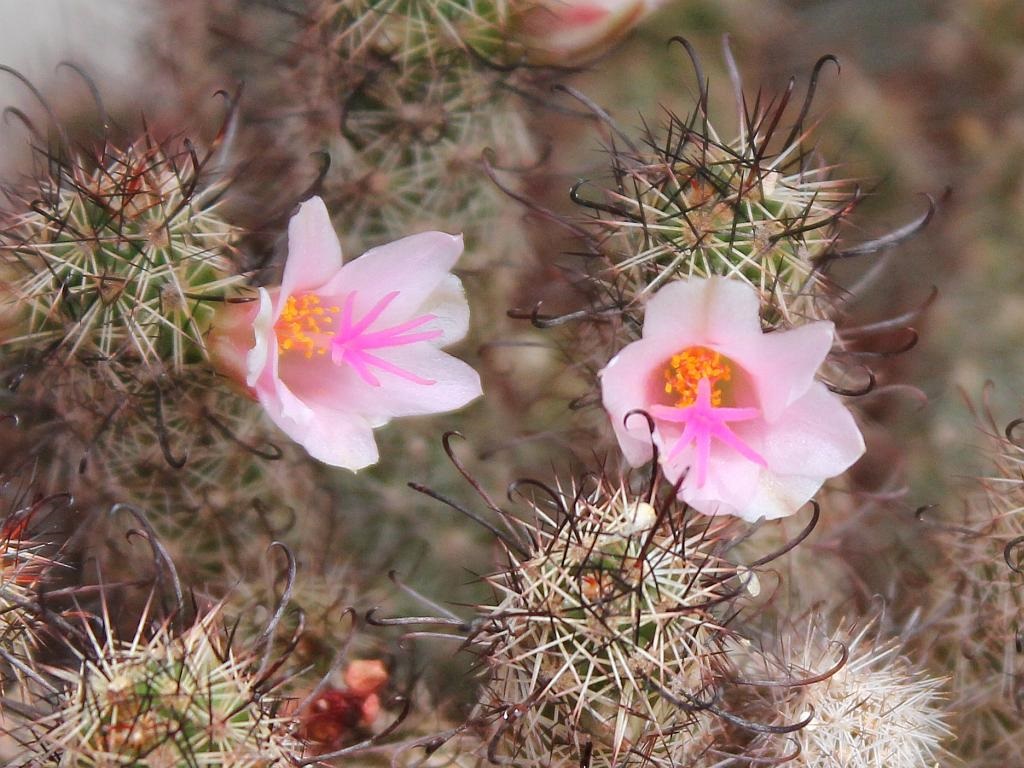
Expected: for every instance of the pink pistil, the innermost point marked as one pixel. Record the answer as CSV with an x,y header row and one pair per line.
x,y
703,421
349,345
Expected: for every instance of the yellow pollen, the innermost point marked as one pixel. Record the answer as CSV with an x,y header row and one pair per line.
x,y
685,370
301,324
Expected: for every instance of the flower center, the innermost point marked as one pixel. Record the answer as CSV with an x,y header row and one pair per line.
x,y
303,323
699,380
311,328
687,368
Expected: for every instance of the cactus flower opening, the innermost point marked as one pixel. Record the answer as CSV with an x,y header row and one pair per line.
x,y
738,415
338,350
565,32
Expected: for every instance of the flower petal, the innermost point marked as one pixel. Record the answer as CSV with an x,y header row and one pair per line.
x,y
815,437
232,337
264,339
560,32
314,253
335,437
731,483
414,266
455,384
731,478
450,309
626,385
782,365
716,312
779,496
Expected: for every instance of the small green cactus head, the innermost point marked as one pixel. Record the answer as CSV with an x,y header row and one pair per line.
x,y
116,258
412,158
402,97
162,699
603,643
202,447
684,201
202,459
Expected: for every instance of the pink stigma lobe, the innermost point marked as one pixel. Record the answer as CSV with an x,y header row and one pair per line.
x,y
703,421
350,344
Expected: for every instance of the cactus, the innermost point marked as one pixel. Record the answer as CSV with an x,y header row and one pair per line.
x,y
862,702
164,698
979,606
27,557
413,31
197,456
683,201
417,118
401,96
116,261
110,271
605,635
205,449
618,629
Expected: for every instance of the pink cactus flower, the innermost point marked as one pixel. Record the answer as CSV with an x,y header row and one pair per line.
x,y
737,413
565,32
337,351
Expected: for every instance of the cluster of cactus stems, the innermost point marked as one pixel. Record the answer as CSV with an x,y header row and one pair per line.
x,y
764,209
426,102
620,634
623,628
184,683
114,259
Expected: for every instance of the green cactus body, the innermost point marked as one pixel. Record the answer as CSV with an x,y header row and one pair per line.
x,y
692,205
119,261
173,700
418,30
602,634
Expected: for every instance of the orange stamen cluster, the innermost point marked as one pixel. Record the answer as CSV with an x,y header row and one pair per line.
x,y
685,370
302,324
